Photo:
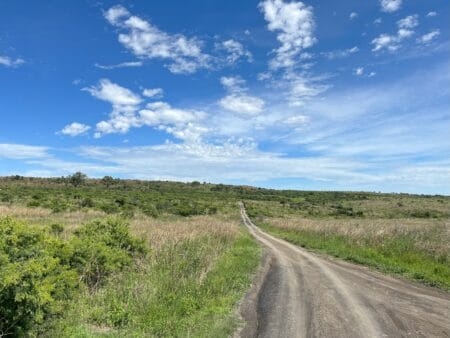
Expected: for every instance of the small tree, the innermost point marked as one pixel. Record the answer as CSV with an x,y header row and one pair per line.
x,y
77,179
108,181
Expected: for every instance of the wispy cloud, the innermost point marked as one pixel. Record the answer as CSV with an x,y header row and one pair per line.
x,y
21,151
10,62
120,65
238,101
427,38
342,53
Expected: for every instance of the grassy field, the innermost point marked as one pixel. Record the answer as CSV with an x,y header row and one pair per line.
x,y
108,257
415,247
188,285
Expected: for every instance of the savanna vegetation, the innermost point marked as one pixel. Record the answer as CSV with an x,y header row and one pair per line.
x,y
401,234
84,257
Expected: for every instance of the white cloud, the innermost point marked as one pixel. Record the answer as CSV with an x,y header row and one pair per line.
x,y
353,15
120,65
181,123
235,51
390,5
393,42
238,101
386,41
340,53
20,151
359,71
242,104
295,25
431,14
297,120
409,22
9,62
233,83
127,112
153,92
75,129
115,13
124,103
427,38
239,160
378,21
301,87
118,96
145,40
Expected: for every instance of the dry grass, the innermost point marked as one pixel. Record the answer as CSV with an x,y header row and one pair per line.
x,y
430,235
159,232
42,216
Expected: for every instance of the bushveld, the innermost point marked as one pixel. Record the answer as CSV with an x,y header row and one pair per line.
x,y
107,257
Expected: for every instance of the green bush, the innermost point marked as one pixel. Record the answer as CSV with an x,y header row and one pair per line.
x,y
35,277
102,247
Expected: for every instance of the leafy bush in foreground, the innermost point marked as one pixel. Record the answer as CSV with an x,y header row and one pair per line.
x,y
101,247
40,272
35,277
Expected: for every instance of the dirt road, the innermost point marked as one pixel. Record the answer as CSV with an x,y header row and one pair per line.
x,y
306,295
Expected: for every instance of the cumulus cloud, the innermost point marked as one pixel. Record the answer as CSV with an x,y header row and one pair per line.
x,y
147,41
153,92
113,93
181,123
427,38
390,6
75,129
128,112
235,51
409,22
431,14
294,24
353,15
393,42
124,103
233,83
10,62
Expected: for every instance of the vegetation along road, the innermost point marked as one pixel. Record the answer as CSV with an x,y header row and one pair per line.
x,y
305,295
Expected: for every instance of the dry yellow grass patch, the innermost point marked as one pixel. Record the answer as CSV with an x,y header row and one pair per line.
x,y
70,220
159,232
431,235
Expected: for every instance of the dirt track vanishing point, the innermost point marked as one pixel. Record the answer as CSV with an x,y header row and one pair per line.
x,y
305,295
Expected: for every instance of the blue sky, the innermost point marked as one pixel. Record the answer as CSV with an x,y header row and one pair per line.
x,y
327,95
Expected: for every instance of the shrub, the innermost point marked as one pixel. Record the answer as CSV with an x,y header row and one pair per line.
x,y
87,203
101,247
35,278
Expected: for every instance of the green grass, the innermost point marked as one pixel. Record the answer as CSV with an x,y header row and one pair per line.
x,y
171,295
398,255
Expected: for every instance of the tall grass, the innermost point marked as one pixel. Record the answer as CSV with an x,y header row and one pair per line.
x,y
416,249
196,272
